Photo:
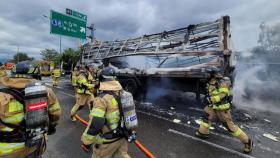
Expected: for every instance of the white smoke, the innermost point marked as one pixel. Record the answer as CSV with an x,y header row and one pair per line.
x,y
257,86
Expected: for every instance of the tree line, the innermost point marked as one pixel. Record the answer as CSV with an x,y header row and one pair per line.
x,y
69,57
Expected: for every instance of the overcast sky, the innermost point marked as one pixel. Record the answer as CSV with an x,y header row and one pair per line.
x,y
22,23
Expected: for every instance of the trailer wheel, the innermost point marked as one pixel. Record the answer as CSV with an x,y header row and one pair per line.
x,y
130,85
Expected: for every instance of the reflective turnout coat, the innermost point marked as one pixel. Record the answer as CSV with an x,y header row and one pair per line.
x,y
12,112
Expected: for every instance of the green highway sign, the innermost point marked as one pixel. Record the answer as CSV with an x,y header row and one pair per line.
x,y
67,25
76,14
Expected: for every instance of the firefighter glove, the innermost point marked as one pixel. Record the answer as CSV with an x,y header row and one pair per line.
x,y
207,100
86,148
51,130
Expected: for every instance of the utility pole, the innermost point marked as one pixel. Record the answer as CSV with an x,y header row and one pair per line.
x,y
92,29
17,53
59,44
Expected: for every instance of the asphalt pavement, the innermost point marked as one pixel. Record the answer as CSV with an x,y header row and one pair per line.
x,y
157,131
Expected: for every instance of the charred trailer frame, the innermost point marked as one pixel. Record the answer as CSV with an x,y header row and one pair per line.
x,y
183,55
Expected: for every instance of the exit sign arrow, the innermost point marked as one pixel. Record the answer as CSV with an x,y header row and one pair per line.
x,y
82,30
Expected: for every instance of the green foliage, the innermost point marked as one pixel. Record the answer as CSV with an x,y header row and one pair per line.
x,y
70,57
49,54
21,57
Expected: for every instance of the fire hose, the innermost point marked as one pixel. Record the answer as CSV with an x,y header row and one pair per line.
x,y
136,142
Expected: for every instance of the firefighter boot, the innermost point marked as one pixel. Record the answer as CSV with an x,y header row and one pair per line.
x,y
242,136
73,118
203,131
248,146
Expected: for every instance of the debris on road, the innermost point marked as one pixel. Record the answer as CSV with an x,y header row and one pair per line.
x,y
189,122
176,120
249,127
172,108
196,109
224,128
270,136
170,113
248,116
198,122
266,120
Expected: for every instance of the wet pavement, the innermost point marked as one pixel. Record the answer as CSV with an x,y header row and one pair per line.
x,y
162,136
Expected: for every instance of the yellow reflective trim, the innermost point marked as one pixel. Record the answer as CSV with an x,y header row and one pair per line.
x,y
6,129
54,107
81,91
115,114
82,81
113,126
204,124
97,112
17,118
217,98
112,121
30,71
215,92
237,133
96,139
114,102
221,107
15,106
36,70
224,90
6,148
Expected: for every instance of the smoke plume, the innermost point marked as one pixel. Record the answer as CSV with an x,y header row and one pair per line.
x,y
257,80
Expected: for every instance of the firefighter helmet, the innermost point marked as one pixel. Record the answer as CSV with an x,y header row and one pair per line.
x,y
215,72
107,74
26,69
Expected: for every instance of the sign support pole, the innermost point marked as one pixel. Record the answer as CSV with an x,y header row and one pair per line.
x,y
59,44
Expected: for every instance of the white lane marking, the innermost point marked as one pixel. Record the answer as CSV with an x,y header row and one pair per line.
x,y
186,125
70,95
52,86
209,143
212,132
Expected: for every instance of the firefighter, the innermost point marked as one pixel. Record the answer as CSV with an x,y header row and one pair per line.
x,y
104,132
84,92
28,112
218,104
56,75
74,76
97,72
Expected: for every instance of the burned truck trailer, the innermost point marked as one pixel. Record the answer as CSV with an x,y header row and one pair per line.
x,y
177,59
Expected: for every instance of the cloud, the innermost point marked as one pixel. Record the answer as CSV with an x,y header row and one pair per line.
x,y
22,23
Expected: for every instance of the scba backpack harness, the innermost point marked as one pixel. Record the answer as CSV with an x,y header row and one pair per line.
x,y
128,119
36,120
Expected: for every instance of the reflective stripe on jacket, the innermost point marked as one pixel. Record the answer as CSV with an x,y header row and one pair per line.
x,y
84,87
56,73
218,96
12,111
105,107
15,110
74,78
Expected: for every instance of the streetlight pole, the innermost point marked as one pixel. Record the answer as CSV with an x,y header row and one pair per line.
x,y
59,44
18,53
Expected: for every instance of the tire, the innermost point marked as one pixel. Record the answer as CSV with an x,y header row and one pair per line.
x,y
130,85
